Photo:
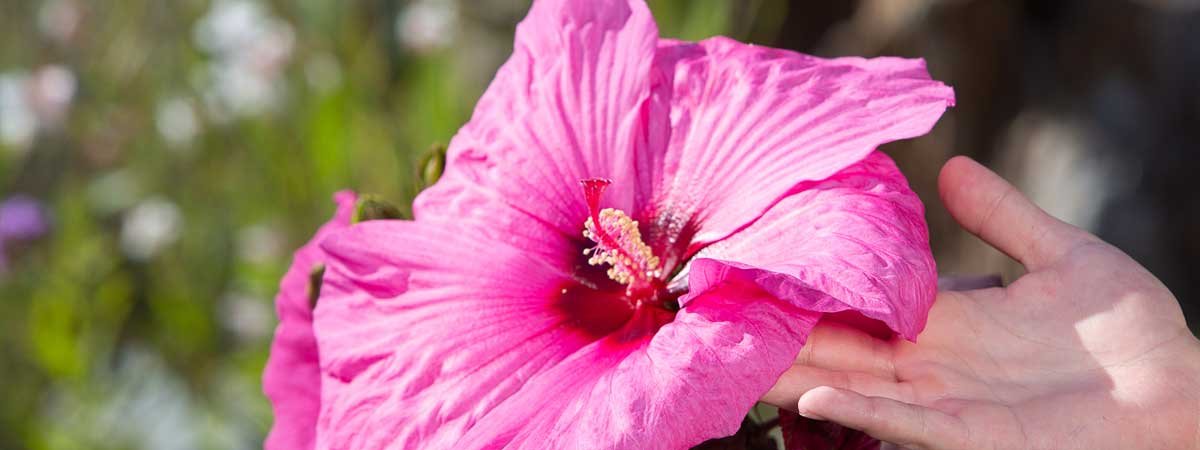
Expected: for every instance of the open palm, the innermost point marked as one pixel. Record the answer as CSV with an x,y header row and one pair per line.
x,y
1087,350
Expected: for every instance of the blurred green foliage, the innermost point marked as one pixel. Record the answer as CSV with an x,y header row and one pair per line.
x,y
177,187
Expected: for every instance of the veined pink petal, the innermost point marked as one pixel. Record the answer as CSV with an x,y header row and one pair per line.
x,y
565,107
692,381
856,241
425,327
291,379
748,123
466,355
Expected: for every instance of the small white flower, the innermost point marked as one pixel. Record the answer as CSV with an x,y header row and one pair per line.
x,y
149,227
427,25
248,316
177,123
250,49
260,243
229,26
18,123
51,90
59,19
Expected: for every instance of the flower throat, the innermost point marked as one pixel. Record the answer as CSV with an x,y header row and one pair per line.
x,y
619,244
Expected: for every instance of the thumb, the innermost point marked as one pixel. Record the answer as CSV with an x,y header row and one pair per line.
x,y
885,419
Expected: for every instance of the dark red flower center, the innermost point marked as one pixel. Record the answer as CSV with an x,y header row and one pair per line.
x,y
619,246
619,274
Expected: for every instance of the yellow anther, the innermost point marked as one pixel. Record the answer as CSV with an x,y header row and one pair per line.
x,y
619,244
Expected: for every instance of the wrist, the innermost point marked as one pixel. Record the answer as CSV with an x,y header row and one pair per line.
x,y
1190,397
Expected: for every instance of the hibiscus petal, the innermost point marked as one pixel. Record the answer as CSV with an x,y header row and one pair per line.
x,y
291,379
565,107
463,355
856,241
694,380
749,123
424,327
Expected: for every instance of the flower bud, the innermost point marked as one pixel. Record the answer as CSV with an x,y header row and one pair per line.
x,y
370,207
315,277
433,163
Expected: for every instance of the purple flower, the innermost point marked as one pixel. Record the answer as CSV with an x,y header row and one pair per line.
x,y
21,219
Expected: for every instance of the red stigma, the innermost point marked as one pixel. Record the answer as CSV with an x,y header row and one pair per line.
x,y
593,189
619,244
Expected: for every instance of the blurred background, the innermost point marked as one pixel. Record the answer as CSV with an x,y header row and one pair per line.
x,y
159,161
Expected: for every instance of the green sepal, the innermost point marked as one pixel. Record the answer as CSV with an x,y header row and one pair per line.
x,y
370,207
315,277
432,164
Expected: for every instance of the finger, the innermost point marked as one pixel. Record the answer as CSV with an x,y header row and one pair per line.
x,y
838,346
885,419
945,325
800,379
991,208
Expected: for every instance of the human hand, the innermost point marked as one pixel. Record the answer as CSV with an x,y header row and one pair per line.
x,y
1087,350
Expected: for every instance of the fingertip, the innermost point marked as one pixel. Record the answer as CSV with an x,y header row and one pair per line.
x,y
965,160
952,175
818,403
960,180
988,206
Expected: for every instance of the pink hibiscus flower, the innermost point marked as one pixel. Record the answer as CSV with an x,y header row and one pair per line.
x,y
291,379
731,196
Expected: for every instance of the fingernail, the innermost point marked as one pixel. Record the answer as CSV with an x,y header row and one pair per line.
x,y
810,414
